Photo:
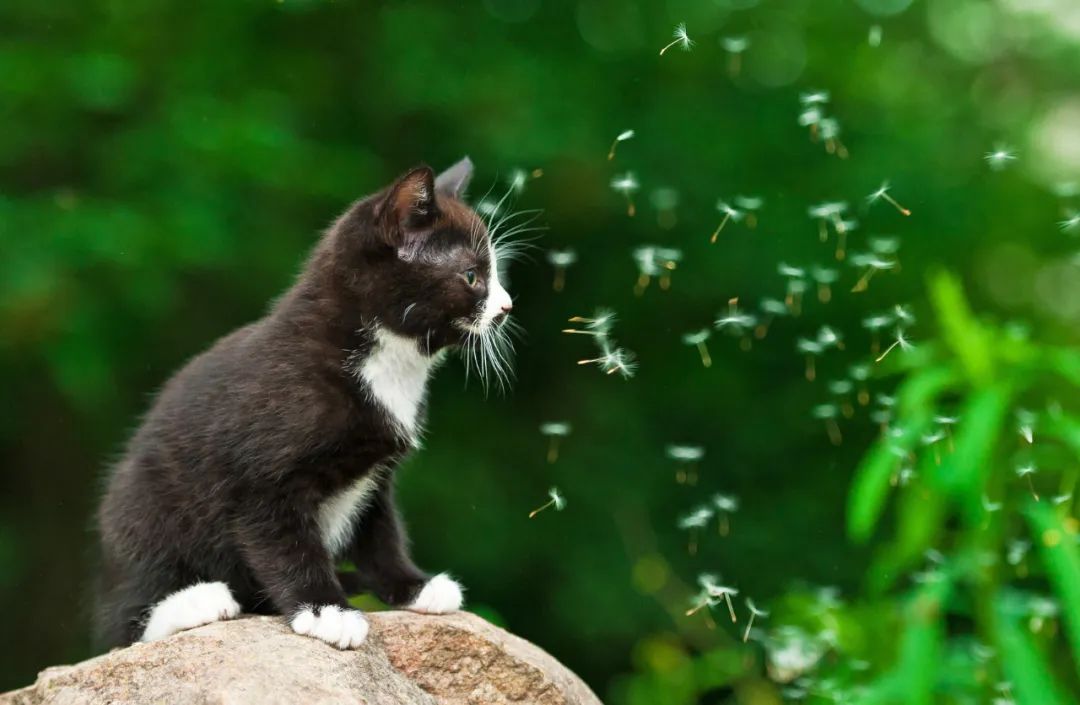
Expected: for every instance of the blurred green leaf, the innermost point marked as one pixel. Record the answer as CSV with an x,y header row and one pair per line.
x,y
1025,667
966,337
1058,548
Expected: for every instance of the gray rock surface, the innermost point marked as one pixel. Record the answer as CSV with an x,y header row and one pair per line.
x,y
409,658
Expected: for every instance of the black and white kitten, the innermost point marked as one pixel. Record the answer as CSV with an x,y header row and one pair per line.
x,y
269,457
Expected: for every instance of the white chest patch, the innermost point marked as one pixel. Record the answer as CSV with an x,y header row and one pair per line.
x,y
339,512
395,374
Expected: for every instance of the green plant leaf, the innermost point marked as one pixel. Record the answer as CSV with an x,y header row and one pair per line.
x,y
964,334
1060,556
1024,666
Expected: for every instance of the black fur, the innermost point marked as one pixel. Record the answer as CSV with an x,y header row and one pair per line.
x,y
224,477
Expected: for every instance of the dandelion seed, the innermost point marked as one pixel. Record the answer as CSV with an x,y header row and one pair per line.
x,y
903,314
990,507
681,38
555,431
736,322
772,308
875,324
861,373
829,212
883,194
725,505
735,46
829,128
842,388
667,258
705,597
811,349
1060,499
1025,425
750,205
665,200
901,342
614,360
697,339
814,98
1000,157
599,325
884,245
1042,609
1027,471
796,286
560,260
829,414
829,337
621,137
754,612
870,264
487,208
687,457
648,267
1071,224
1017,551
825,278
873,38
693,522
730,213
556,500
627,184
724,592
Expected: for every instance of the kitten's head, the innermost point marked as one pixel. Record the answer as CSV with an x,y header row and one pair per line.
x,y
431,270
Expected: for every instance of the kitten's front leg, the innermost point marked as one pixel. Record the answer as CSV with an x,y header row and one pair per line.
x,y
283,547
380,551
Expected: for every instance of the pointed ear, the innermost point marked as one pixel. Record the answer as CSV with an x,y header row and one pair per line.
x,y
455,180
409,203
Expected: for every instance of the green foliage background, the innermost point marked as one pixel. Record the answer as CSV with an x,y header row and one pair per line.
x,y
164,167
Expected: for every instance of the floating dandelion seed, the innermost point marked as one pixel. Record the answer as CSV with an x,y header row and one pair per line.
x,y
750,205
901,342
826,213
931,440
829,337
599,325
796,286
711,594
725,505
811,349
614,360
681,38
876,324
1000,157
665,199
555,431
1060,499
754,612
648,267
667,259
829,413
1017,551
694,522
1027,471
735,46
873,37
870,264
687,457
487,208
829,129
556,500
729,214
990,507
1071,224
736,322
772,308
519,177
842,388
704,598
861,373
1042,609
884,245
825,278
1025,425
883,194
560,260
814,98
626,185
621,137
903,315
697,339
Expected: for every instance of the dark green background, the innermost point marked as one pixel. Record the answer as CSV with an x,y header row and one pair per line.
x,y
164,168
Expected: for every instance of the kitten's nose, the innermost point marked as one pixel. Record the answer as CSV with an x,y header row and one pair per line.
x,y
507,307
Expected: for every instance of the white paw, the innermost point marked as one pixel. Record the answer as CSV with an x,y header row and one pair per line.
x,y
343,628
440,595
202,603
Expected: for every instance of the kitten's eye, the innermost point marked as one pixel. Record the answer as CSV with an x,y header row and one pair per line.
x,y
470,277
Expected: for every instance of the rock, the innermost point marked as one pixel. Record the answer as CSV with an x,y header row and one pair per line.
x,y
409,658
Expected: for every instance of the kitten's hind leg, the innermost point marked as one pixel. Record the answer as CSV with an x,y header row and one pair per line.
x,y
194,606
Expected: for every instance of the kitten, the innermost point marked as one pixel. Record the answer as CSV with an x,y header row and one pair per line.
x,y
270,457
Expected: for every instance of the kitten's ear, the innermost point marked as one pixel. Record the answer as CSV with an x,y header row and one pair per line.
x,y
455,180
409,203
